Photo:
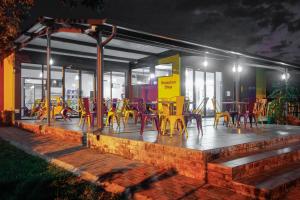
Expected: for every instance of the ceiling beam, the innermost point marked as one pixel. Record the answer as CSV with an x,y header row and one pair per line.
x,y
76,53
89,44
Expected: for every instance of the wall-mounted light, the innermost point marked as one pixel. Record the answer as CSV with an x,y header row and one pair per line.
x,y
76,77
41,75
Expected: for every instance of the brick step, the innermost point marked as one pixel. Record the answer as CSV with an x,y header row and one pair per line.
x,y
270,185
252,164
251,148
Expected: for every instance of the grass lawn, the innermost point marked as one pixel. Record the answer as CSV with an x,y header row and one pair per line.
x,y
23,176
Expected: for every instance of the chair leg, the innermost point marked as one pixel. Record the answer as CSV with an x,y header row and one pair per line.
x,y
157,124
184,126
89,121
172,126
143,121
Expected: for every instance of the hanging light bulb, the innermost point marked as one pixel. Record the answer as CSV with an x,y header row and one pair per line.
x,y
51,61
76,77
234,68
285,76
240,69
41,75
205,63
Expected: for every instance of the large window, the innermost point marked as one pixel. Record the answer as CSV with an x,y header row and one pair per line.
x,y
114,85
163,70
189,84
87,84
72,88
200,85
210,92
140,76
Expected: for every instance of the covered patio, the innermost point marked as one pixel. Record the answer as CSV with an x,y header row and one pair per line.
x,y
208,113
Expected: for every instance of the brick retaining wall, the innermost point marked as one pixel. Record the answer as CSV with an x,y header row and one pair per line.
x,y
187,162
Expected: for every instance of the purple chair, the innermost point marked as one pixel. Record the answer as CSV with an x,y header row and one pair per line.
x,y
195,114
145,114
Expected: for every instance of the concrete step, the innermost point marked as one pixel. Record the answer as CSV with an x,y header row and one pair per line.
x,y
271,185
253,164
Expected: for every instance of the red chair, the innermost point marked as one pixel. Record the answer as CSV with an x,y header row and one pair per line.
x,y
86,114
146,114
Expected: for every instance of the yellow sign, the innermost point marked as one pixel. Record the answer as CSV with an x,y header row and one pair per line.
x,y
169,86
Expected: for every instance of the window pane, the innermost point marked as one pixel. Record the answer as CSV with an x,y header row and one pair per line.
x,y
72,88
118,85
219,89
210,92
163,70
199,84
87,84
140,76
106,85
189,83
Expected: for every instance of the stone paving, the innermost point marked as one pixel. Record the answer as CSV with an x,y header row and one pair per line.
x,y
116,174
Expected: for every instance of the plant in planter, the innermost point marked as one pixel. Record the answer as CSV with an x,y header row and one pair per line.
x,y
282,96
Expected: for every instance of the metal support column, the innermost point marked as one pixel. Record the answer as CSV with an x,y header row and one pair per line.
x,y
48,77
129,87
94,87
111,85
80,84
43,86
286,91
63,80
99,82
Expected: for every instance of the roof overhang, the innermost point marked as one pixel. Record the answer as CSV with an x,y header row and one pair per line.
x,y
75,38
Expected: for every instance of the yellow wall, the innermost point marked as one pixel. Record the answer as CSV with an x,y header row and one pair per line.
x,y
9,82
170,86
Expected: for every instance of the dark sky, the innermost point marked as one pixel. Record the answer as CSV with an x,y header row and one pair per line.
x,y
265,27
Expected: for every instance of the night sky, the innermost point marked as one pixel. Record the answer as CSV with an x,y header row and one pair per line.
x,y
265,27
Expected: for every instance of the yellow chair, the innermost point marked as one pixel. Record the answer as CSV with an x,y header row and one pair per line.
x,y
127,112
163,112
201,106
219,114
35,107
57,107
173,120
81,111
114,114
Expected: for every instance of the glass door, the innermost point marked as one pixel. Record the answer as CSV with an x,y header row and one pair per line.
x,y
189,84
199,87
210,92
114,85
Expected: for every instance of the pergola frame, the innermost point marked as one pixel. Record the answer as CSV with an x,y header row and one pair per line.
x,y
97,28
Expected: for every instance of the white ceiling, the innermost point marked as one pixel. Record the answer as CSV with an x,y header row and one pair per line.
x,y
143,48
